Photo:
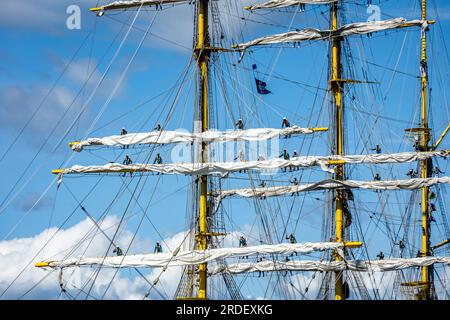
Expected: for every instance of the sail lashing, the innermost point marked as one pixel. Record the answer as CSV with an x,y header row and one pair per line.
x,y
224,168
310,34
326,266
404,184
134,4
165,137
194,257
276,4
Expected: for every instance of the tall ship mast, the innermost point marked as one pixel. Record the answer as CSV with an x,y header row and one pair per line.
x,y
371,246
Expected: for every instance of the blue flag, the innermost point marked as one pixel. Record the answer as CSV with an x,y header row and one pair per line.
x,y
261,87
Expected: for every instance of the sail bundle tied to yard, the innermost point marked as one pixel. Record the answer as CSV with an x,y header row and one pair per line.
x,y
346,30
223,168
404,184
194,257
286,3
135,4
165,137
353,265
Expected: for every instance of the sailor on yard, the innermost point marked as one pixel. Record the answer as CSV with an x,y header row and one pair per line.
x,y
127,161
242,242
380,255
158,248
412,173
285,123
158,159
294,155
377,149
240,124
123,132
118,251
285,156
263,185
292,240
260,273
294,182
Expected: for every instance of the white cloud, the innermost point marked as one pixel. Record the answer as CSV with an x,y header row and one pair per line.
x,y
17,253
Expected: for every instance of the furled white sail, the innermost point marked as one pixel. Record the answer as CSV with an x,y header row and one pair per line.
x,y
286,3
164,137
195,257
135,4
380,158
346,30
223,168
405,184
355,265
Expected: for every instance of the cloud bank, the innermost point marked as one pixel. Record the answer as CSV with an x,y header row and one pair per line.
x,y
81,239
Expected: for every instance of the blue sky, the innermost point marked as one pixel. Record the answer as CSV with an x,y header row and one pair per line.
x,y
37,46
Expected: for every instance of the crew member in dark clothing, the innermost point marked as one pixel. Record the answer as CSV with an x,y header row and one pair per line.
x,y
127,161
285,123
240,124
158,248
285,156
158,159
242,244
412,173
294,182
123,132
118,251
377,149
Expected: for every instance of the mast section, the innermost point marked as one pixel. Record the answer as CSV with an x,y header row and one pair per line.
x,y
336,88
426,278
201,53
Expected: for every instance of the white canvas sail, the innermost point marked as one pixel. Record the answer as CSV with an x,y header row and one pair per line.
x,y
404,184
223,168
355,265
275,4
135,4
346,30
194,257
165,137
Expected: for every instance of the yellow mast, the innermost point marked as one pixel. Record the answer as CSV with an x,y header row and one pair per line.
x,y
202,54
337,96
425,271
